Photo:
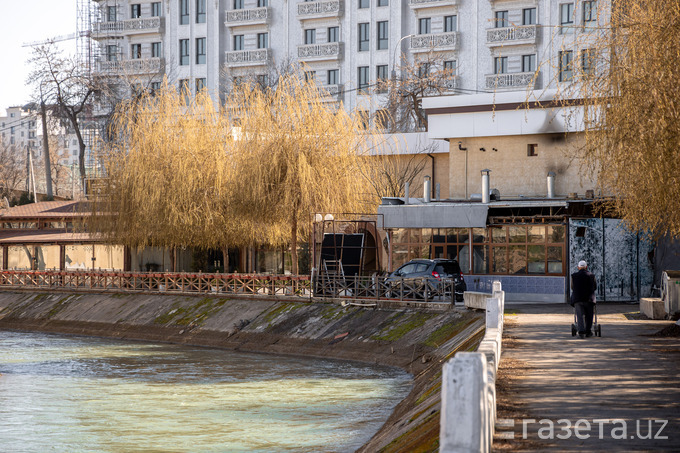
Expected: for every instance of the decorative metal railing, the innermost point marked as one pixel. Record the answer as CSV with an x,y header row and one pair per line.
x,y
507,35
158,282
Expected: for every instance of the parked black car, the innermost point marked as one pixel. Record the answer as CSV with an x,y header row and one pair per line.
x,y
424,278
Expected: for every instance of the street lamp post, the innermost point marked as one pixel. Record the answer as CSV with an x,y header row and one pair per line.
x,y
394,55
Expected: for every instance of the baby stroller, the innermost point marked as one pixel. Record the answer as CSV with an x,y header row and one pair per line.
x,y
597,328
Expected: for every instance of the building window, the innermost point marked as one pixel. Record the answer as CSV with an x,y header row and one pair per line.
x,y
200,11
310,76
263,80
156,9
500,65
262,40
529,63
566,18
529,16
383,35
424,25
310,36
155,50
364,77
364,31
333,77
364,3
566,65
589,14
155,86
588,61
450,67
200,84
136,51
183,52
135,11
238,42
383,2
262,3
423,69
200,51
450,24
531,149
183,12
238,4
333,34
111,52
184,89
381,72
111,13
501,19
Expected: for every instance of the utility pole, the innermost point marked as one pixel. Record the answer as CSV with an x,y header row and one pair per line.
x,y
46,149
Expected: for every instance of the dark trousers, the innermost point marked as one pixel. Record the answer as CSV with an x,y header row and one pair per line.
x,y
584,316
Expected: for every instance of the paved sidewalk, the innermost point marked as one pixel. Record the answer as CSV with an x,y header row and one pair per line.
x,y
626,377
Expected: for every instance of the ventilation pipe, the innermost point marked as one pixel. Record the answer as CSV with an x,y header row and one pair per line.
x,y
427,190
551,184
485,185
406,192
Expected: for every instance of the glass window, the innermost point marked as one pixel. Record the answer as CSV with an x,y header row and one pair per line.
x,y
566,65
501,19
450,66
424,25
135,11
363,76
333,34
238,42
555,259
383,35
262,40
156,9
310,36
500,65
499,260
587,61
589,14
310,76
566,18
364,3
529,16
536,234
262,3
200,51
381,72
517,259
556,233
183,12
156,50
364,31
184,88
111,52
238,4
136,51
536,259
111,13
183,52
450,24
529,63
517,234
480,259
155,86
200,11
333,77
383,2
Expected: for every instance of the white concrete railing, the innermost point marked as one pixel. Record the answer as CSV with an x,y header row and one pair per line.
x,y
434,41
506,35
129,25
512,80
468,411
308,10
248,16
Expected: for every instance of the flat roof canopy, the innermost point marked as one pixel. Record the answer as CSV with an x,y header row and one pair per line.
x,y
433,215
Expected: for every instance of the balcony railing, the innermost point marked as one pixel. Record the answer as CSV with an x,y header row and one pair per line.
x,y
313,10
434,41
514,80
250,16
415,4
255,57
327,51
130,26
525,34
331,92
131,67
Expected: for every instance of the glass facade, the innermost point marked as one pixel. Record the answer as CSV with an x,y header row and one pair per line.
x,y
509,250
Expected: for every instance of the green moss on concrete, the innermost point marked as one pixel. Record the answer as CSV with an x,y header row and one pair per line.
x,y
397,328
422,438
448,331
280,309
195,314
59,306
429,392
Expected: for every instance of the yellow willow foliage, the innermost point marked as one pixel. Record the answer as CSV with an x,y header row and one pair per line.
x,y
633,114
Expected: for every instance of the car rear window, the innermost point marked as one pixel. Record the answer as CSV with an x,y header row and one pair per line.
x,y
421,267
451,268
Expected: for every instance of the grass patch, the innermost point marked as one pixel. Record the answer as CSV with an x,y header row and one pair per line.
x,y
394,332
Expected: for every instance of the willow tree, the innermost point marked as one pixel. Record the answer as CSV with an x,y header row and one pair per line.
x,y
628,81
295,155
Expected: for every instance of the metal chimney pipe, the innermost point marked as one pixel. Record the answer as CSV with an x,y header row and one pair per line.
x,y
406,191
551,184
485,185
437,192
427,190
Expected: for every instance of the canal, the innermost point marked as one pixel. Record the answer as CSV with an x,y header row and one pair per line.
x,y
71,394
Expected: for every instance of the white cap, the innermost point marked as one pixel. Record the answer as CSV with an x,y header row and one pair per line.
x,y
582,264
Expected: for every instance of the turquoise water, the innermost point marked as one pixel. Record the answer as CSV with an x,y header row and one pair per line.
x,y
73,394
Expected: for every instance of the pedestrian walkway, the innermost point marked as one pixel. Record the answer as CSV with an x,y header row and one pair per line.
x,y
620,392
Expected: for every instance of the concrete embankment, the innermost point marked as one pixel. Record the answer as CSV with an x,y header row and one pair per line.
x,y
415,341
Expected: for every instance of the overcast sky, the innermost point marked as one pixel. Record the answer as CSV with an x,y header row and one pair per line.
x,y
23,21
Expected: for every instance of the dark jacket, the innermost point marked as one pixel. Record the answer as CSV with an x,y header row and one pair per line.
x,y
583,287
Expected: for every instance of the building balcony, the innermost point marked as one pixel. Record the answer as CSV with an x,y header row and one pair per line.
x,y
316,52
315,10
142,25
251,16
434,42
516,80
525,34
131,67
331,93
255,57
417,4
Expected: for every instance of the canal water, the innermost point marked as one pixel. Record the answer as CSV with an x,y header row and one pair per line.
x,y
76,394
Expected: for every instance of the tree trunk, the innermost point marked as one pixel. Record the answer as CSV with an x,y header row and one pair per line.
x,y
46,153
225,259
293,245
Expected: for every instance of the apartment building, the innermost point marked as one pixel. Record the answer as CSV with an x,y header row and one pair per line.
x,y
19,128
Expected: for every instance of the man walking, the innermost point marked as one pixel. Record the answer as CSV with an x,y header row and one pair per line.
x,y
583,288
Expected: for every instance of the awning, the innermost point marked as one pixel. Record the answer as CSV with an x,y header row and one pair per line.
x,y
433,215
